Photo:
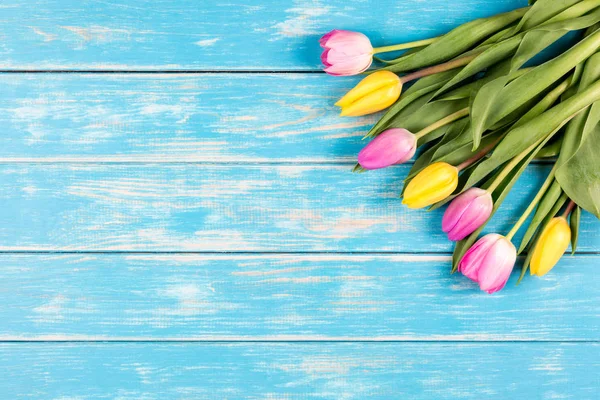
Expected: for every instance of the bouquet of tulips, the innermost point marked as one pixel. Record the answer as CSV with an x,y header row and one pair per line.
x,y
481,110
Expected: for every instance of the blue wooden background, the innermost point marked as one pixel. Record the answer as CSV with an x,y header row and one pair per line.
x,y
178,220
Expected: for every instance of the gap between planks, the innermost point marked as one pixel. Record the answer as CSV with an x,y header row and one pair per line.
x,y
404,256
317,255
187,160
287,339
151,71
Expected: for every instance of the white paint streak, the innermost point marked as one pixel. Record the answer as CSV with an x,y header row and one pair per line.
x,y
302,20
206,42
52,311
48,37
99,34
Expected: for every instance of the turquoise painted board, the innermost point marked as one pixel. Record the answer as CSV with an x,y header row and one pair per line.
x,y
287,297
191,207
207,35
177,118
353,371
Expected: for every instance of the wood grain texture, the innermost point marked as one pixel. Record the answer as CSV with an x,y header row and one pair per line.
x,y
288,291
174,118
540,371
209,208
287,297
205,35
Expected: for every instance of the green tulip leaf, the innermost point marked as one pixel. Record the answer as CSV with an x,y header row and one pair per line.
x,y
541,12
572,137
421,88
459,151
524,46
543,126
579,176
574,222
541,37
544,207
532,43
456,42
483,106
428,114
528,86
466,91
486,59
574,83
550,150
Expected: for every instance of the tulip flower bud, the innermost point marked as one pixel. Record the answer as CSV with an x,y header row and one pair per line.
x,y
489,262
434,183
374,93
550,247
392,146
467,213
346,52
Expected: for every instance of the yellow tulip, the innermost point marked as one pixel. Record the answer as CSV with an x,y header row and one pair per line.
x,y
374,93
432,184
550,247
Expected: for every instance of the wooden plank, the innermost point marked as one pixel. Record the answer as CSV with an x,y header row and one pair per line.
x,y
232,118
287,297
301,371
239,208
176,117
187,34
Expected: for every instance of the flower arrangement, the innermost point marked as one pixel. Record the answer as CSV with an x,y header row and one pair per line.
x,y
477,110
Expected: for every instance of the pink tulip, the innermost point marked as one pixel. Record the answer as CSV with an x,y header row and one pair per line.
x,y
466,213
392,146
489,262
346,52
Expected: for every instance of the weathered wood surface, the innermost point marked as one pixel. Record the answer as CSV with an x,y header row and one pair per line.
x,y
177,117
207,35
209,230
520,371
233,208
287,297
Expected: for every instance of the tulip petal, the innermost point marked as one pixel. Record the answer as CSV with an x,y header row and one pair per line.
x,y
467,213
551,246
392,146
456,210
326,37
353,66
324,56
497,266
370,84
434,183
471,262
372,102
350,42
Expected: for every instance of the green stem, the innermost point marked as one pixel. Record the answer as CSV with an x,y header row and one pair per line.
x,y
533,203
459,62
404,46
530,148
444,121
568,209
509,167
517,159
480,154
